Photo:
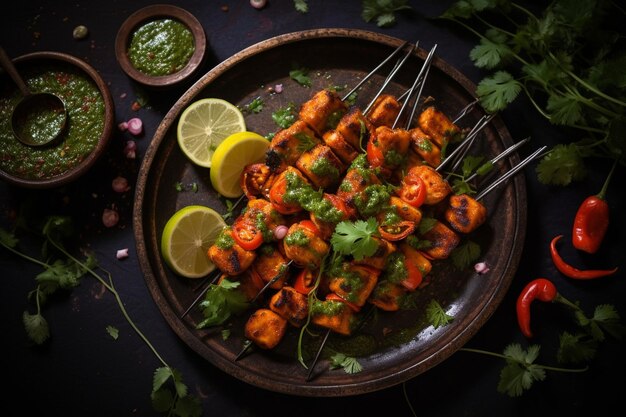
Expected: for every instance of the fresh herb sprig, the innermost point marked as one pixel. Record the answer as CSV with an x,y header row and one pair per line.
x,y
521,370
569,61
383,11
66,272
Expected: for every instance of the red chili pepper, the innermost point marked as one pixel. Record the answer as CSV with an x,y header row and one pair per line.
x,y
570,271
592,220
396,231
537,289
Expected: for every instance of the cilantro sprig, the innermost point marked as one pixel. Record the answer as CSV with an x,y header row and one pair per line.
x,y
355,238
520,371
565,60
65,272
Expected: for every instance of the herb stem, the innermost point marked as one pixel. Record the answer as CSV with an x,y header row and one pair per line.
x,y
109,286
33,260
508,358
589,86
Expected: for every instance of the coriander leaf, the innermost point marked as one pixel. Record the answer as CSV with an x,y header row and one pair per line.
x,y
545,73
349,364
221,302
58,227
437,316
113,332
188,406
564,109
562,165
301,6
464,255
355,238
520,372
426,224
36,326
498,91
491,51
575,348
285,116
162,400
255,106
161,375
301,76
7,239
605,316
383,11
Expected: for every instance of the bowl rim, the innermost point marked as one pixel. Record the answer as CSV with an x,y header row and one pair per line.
x,y
153,12
105,137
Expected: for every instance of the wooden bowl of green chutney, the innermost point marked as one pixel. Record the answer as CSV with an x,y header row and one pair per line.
x,y
90,121
160,45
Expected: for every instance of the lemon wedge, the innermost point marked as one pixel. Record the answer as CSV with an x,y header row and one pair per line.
x,y
230,158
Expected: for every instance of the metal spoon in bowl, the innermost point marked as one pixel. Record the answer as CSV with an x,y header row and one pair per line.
x,y
38,119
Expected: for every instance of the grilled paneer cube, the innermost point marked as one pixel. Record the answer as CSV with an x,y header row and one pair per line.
x,y
437,188
290,305
290,178
288,144
384,111
464,213
304,245
265,328
438,126
387,295
228,256
334,315
423,145
322,111
356,128
321,166
271,265
442,240
340,146
353,282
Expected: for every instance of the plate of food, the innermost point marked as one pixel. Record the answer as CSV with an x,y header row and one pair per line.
x,y
398,327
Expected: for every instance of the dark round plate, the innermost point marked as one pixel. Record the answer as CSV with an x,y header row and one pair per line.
x,y
400,345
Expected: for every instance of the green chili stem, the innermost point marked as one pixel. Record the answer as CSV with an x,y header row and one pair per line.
x,y
601,195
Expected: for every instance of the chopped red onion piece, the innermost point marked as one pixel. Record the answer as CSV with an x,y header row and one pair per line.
x,y
280,232
110,217
122,253
481,268
135,126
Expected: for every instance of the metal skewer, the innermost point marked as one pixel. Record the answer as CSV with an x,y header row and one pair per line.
x,y
270,282
511,172
202,293
372,72
501,155
420,81
317,356
462,146
389,78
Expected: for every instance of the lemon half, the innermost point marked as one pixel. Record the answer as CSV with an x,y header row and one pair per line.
x,y
204,124
186,238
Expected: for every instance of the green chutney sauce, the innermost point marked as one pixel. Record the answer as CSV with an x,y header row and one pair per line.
x,y
161,47
85,122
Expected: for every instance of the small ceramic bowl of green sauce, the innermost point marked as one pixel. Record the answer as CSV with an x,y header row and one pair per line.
x,y
160,45
90,121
